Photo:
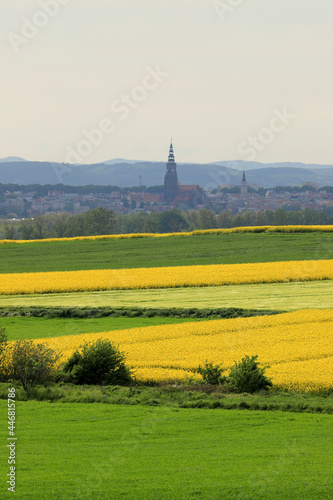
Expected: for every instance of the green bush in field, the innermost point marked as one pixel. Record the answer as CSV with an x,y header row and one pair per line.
x,y
3,346
98,363
3,340
247,376
4,368
212,374
29,363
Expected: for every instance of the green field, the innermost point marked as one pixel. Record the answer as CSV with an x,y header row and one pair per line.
x,y
274,296
35,328
170,251
83,452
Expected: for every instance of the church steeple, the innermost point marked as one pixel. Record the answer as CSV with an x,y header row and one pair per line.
x,y
171,178
171,158
244,185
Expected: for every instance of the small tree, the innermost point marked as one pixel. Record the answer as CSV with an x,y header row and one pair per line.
x,y
212,374
3,358
9,232
31,364
247,376
98,363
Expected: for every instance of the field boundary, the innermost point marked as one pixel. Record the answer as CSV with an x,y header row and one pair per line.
x,y
101,312
197,232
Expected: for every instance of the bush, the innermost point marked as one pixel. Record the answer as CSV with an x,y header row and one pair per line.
x,y
3,347
29,363
99,363
247,376
3,340
212,374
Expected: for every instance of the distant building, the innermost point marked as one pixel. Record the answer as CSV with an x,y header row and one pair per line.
x,y
171,178
244,185
177,193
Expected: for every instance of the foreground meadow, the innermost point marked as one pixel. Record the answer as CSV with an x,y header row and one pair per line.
x,y
95,451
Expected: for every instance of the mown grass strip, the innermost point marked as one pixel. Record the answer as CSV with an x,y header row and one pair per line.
x,y
274,296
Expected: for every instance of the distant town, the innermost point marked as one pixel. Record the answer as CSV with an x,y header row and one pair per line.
x,y
19,204
28,201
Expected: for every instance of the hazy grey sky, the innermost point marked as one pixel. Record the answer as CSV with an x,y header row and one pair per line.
x,y
215,75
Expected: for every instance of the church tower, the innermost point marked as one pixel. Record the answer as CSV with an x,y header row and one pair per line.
x,y
244,185
171,178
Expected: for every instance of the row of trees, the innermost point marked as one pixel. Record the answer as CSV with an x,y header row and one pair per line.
x,y
43,189
101,221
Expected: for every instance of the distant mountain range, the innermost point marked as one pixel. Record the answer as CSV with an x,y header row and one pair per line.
x,y
254,165
125,173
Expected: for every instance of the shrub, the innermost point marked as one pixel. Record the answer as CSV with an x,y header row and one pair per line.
x,y
247,376
212,374
98,363
31,364
3,340
4,354
3,347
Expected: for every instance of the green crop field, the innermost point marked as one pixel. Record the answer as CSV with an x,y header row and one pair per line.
x,y
95,451
34,328
274,296
169,251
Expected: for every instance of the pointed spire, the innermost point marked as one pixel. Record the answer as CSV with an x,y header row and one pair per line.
x,y
171,158
244,179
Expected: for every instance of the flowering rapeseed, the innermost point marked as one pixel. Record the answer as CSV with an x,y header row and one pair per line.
x,y
297,346
165,277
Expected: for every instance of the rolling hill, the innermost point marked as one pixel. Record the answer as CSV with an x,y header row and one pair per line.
x,y
124,173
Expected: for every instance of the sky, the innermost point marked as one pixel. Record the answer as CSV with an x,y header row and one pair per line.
x,y
85,81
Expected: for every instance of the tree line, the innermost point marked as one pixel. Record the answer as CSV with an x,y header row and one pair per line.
x,y
101,221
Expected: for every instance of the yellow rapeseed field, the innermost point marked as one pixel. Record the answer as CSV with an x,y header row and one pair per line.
x,y
297,346
247,229
165,277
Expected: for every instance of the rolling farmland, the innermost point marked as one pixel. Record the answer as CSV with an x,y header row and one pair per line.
x,y
288,273
284,285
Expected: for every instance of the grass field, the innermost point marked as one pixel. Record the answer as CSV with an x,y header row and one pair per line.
x,y
274,296
34,328
147,453
159,252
